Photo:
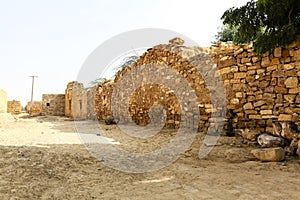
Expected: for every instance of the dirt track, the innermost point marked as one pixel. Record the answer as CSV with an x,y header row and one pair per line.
x,y
42,158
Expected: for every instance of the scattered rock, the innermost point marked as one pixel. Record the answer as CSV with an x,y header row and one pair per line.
x,y
266,140
249,134
110,120
276,129
298,149
269,154
291,150
287,131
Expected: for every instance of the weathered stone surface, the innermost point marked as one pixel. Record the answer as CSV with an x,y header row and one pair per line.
x,y
269,154
291,82
248,106
14,107
298,149
53,104
249,134
285,117
266,140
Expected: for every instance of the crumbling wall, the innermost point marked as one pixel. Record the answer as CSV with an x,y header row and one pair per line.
x,y
3,101
76,101
53,104
103,100
14,107
259,90
36,107
91,93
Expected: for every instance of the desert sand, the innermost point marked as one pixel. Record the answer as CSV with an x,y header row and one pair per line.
x,y
43,157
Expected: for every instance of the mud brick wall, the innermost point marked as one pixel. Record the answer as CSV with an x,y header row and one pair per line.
x,y
36,107
259,90
75,101
53,104
3,101
14,107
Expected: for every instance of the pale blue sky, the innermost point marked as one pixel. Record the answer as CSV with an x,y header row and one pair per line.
x,y
52,39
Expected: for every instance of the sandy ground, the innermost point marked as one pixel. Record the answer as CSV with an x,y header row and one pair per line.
x,y
44,158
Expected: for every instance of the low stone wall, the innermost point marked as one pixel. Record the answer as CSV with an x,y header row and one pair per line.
x,y
36,107
14,107
53,104
3,101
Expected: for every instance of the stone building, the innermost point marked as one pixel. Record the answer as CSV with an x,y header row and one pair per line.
x,y
76,101
53,104
3,101
14,107
36,107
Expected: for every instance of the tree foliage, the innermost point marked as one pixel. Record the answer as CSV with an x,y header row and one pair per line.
x,y
225,34
268,23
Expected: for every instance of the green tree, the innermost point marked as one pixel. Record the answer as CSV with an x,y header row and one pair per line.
x,y
225,34
268,23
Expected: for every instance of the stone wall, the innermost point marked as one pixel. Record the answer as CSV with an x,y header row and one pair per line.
x,y
259,90
3,101
103,100
14,107
36,107
75,101
53,104
91,93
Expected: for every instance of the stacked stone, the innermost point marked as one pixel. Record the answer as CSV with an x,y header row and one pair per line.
x,y
260,89
14,107
103,100
153,86
53,104
91,114
36,107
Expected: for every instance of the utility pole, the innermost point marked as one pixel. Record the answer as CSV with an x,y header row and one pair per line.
x,y
30,111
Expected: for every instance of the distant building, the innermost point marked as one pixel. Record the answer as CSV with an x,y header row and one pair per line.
x,y
53,104
36,107
14,107
3,101
76,101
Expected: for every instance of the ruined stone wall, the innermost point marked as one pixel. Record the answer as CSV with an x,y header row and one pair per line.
x,y
36,107
3,101
259,90
53,104
14,107
91,93
103,100
75,101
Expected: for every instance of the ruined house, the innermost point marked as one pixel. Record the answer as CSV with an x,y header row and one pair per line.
x,y
53,104
3,101
76,101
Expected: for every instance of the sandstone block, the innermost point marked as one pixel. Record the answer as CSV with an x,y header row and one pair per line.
x,y
277,52
291,82
269,154
248,106
285,117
